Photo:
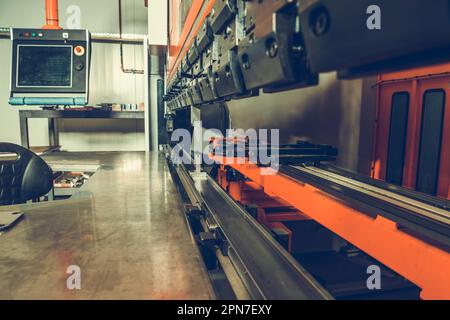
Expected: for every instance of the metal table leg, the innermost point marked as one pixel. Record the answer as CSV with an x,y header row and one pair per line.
x,y
24,137
53,133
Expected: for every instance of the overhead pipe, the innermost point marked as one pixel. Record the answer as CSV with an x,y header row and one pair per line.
x,y
51,15
98,37
122,65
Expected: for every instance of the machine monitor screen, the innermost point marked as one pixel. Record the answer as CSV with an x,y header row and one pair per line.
x,y
50,67
44,66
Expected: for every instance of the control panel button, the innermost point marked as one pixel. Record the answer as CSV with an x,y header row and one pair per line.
x,y
79,66
79,51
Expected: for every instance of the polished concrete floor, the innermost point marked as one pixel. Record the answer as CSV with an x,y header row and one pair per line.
x,y
125,230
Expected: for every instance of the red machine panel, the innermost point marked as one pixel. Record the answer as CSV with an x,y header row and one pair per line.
x,y
413,130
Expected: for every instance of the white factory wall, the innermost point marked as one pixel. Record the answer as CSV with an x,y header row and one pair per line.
x,y
157,30
107,84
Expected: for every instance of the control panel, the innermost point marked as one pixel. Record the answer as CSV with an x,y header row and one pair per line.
x,y
49,64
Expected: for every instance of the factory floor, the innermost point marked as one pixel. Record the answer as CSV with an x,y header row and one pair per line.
x,y
125,230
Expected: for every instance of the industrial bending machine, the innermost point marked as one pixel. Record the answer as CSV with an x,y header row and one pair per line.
x,y
311,230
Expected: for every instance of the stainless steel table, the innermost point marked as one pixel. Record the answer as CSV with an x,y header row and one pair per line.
x,y
125,229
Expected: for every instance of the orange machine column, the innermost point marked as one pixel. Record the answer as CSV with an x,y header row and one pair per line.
x,y
51,15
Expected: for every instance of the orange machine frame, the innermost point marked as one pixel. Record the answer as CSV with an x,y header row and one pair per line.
x,y
422,263
415,82
272,212
178,46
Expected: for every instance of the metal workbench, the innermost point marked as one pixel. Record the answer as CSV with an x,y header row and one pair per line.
x,y
125,229
52,115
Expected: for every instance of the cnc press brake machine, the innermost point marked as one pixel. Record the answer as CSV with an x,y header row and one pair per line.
x,y
399,216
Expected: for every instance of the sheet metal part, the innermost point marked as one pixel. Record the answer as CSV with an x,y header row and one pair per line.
x,y
297,153
430,221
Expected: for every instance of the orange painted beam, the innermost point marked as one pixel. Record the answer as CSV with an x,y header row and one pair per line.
x,y
178,51
175,49
423,264
413,73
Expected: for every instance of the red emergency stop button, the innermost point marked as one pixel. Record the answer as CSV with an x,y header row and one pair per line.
x,y
79,51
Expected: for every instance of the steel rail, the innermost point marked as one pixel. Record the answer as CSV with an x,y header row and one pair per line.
x,y
421,197
272,271
424,209
266,269
432,222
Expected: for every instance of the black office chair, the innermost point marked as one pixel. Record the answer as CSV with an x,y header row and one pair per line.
x,y
26,177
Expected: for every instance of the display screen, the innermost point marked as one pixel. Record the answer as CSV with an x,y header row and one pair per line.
x,y
44,66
